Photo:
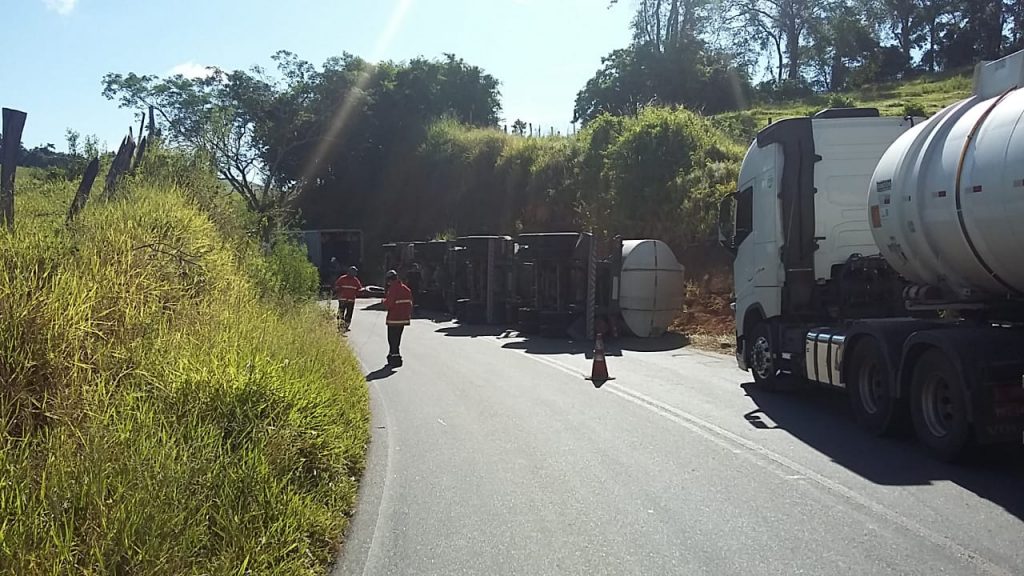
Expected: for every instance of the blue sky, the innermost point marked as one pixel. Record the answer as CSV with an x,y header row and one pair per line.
x,y
543,51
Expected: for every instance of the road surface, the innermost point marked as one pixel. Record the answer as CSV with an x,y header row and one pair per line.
x,y
492,455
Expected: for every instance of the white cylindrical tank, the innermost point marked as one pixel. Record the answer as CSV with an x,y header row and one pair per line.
x,y
946,203
650,287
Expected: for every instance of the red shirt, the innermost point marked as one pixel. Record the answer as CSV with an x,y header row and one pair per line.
x,y
347,288
398,301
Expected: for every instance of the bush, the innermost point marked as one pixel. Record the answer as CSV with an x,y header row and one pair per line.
x,y
290,272
159,416
840,101
785,91
666,173
915,110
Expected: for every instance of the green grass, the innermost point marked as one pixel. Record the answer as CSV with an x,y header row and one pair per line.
x,y
928,94
167,408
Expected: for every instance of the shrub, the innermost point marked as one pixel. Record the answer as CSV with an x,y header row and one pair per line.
x,y
840,101
915,110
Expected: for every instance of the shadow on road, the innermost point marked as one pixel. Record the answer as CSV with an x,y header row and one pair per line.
x,y
664,343
418,313
474,330
545,346
432,315
612,347
380,373
821,419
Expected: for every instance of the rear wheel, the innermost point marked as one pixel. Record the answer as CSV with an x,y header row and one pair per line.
x,y
939,406
764,357
870,390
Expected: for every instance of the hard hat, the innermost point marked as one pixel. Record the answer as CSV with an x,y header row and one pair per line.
x,y
391,275
353,270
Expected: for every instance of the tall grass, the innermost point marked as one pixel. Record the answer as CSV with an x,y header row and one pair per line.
x,y
170,404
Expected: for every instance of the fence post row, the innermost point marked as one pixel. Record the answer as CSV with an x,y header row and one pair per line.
x,y
13,126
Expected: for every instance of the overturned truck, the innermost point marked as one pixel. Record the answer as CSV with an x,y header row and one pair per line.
x,y
554,284
564,285
481,269
426,268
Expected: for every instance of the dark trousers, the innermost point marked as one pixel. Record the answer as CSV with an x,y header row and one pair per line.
x,y
345,310
395,338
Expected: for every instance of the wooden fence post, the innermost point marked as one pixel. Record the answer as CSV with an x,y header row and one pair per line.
x,y
121,164
140,152
82,196
13,126
153,132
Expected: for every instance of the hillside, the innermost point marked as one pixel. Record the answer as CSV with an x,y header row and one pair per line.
x,y
924,95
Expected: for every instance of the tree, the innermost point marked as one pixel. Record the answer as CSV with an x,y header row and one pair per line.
x,y
937,16
80,152
906,24
247,122
1013,11
687,73
374,118
661,25
782,25
841,42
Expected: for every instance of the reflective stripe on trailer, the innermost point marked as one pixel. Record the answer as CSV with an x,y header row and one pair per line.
x,y
403,301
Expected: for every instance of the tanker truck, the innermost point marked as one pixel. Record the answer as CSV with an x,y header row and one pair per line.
x,y
885,257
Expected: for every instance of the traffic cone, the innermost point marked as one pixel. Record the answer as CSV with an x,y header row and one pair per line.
x,y
599,370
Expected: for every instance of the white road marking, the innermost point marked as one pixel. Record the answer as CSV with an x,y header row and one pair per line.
x,y
442,422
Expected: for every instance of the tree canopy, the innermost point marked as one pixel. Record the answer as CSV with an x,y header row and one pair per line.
x,y
700,53
272,136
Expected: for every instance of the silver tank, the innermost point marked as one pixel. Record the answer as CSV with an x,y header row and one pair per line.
x,y
946,203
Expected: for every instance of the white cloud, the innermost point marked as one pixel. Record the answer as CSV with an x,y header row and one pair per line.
x,y
191,70
62,7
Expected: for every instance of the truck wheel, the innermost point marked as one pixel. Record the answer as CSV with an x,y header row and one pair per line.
x,y
870,391
763,357
939,406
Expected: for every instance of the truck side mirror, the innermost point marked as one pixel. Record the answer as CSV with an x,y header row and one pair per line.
x,y
727,223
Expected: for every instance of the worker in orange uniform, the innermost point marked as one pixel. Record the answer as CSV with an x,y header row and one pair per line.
x,y
398,302
346,289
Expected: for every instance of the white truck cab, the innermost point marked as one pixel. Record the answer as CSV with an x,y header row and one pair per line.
x,y
801,212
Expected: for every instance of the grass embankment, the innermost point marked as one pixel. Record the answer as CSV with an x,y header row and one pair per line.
x,y
168,408
925,95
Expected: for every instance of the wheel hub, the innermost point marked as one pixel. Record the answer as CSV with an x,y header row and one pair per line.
x,y
937,406
870,387
761,358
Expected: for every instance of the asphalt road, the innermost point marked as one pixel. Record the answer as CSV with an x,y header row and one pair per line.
x,y
492,455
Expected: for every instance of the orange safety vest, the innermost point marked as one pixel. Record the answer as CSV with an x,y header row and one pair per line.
x,y
399,304
347,288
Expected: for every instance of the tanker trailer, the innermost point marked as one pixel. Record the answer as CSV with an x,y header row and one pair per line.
x,y
883,257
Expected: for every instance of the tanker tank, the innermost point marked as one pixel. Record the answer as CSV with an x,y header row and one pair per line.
x,y
946,202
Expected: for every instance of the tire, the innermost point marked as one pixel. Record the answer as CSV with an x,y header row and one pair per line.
x,y
869,388
938,406
764,357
